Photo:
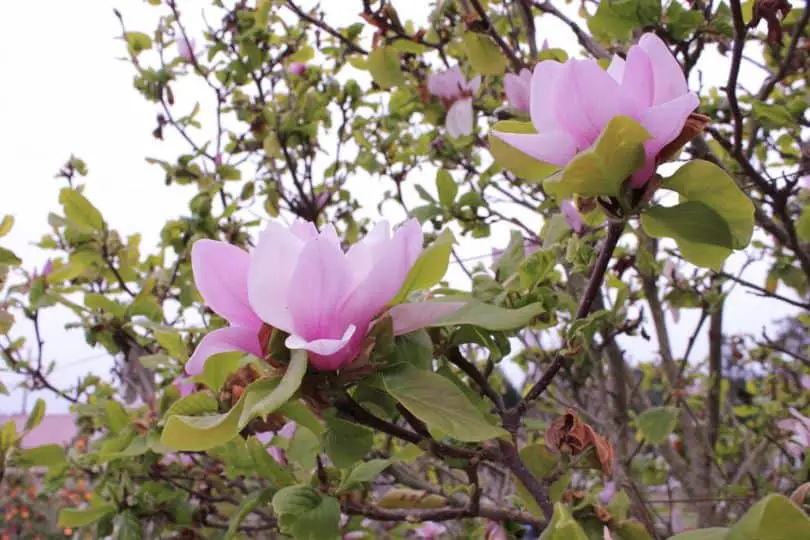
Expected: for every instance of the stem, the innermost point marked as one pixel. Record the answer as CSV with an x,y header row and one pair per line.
x,y
614,232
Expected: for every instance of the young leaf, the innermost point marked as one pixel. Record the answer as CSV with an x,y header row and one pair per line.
x,y
362,473
73,517
775,517
563,526
79,212
383,64
490,317
447,188
657,423
437,402
604,167
485,56
428,269
36,416
346,443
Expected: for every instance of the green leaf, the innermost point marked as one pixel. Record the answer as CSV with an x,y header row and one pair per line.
x,y
285,390
630,529
383,64
346,443
447,188
303,416
490,317
266,465
128,526
512,159
774,517
541,462
8,257
437,402
73,517
771,115
563,526
194,404
79,212
657,423
713,533
46,455
485,56
36,416
305,514
682,22
605,166
174,345
803,224
705,183
414,348
428,269
362,473
303,54
220,366
5,225
137,42
303,448
249,503
703,237
116,416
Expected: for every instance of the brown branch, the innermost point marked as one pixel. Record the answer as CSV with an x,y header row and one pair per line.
x,y
456,358
734,72
584,39
517,63
353,47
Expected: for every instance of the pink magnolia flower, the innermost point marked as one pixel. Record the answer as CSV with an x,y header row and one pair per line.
x,y
799,426
47,268
218,159
297,68
302,282
285,432
494,531
805,382
186,49
185,385
572,216
607,493
453,89
571,104
431,530
517,89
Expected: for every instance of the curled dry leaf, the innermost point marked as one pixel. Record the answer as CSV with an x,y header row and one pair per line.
x,y
570,435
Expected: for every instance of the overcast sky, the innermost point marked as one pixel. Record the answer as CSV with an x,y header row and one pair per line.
x,y
66,91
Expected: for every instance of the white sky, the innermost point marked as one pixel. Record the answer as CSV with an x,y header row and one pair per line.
x,y
67,92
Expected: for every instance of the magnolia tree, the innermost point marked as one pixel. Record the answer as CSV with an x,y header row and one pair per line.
x,y
286,366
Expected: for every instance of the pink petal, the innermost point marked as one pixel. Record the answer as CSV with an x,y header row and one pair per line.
x,y
234,338
297,68
184,385
517,89
473,85
392,263
616,68
319,284
288,430
221,275
572,216
638,81
460,118
305,230
586,98
410,317
278,455
555,147
364,254
328,354
271,270
446,84
542,107
670,82
664,123
805,382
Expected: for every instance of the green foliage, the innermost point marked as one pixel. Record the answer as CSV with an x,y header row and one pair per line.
x,y
304,513
429,268
713,218
775,517
563,526
604,168
484,55
383,64
514,160
439,404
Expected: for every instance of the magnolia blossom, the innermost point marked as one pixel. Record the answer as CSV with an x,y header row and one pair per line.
x,y
453,89
297,68
301,282
799,426
572,216
572,102
187,49
517,89
607,493
494,531
285,432
184,385
430,531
